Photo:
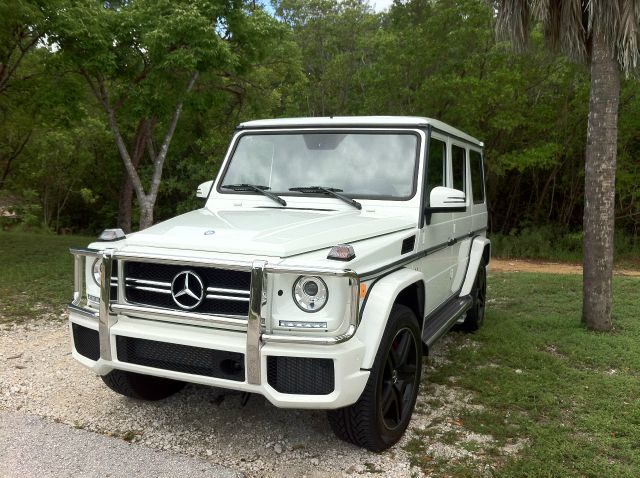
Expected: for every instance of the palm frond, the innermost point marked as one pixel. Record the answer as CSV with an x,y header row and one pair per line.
x,y
573,36
628,35
569,25
514,22
604,17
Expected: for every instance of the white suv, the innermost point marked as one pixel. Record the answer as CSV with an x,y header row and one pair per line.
x,y
330,254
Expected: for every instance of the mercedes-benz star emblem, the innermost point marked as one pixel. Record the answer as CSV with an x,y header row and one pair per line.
x,y
187,290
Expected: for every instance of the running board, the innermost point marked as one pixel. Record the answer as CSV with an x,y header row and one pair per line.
x,y
442,319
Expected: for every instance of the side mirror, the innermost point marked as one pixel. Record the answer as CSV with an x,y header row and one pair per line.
x,y
204,189
443,199
446,198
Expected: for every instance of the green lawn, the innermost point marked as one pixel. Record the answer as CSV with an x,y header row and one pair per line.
x,y
572,397
36,274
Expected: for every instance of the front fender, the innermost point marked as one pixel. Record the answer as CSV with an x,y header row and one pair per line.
x,y
380,299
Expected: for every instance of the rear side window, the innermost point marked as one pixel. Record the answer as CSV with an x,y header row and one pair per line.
x,y
477,177
436,168
459,167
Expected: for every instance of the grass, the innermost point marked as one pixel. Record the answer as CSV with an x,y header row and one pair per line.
x,y
572,396
36,274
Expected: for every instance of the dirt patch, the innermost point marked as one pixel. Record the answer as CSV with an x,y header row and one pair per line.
x,y
521,265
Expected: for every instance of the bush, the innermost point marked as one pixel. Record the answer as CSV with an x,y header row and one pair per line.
x,y
556,244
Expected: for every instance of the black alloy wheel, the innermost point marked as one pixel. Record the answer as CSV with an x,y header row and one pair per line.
x,y
475,315
398,380
382,413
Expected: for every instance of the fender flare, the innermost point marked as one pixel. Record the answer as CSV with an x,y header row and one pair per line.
x,y
377,307
480,249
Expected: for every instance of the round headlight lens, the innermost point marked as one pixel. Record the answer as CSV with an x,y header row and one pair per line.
x,y
95,271
310,293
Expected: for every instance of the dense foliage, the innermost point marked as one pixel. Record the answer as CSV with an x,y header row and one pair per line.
x,y
60,167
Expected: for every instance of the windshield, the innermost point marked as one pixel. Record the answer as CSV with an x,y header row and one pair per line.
x,y
368,165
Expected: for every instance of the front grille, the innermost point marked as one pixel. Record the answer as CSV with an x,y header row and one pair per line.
x,y
225,292
86,341
181,358
300,375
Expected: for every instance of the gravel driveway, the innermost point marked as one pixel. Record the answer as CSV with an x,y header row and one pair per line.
x,y
39,377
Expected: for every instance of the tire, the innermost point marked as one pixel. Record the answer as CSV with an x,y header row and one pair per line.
x,y
141,387
475,315
382,413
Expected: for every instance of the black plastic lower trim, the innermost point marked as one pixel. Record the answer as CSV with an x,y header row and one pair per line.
x,y
301,375
86,341
181,358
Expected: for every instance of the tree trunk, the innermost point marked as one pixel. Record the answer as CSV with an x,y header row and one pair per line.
x,y
146,214
599,185
126,187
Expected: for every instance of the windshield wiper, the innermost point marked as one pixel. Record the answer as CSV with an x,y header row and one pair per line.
x,y
259,189
335,192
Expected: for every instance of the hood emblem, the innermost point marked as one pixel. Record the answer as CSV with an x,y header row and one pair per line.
x,y
187,290
209,232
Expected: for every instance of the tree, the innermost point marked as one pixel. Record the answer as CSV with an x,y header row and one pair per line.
x,y
142,60
604,34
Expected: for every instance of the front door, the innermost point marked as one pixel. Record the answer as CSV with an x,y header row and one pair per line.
x,y
437,265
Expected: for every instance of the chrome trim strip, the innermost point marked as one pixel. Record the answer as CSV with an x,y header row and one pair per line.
x,y
78,278
230,291
121,292
148,282
226,297
104,320
168,315
254,325
83,251
295,339
150,289
84,311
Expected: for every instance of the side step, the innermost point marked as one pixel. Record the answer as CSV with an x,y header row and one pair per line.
x,y
442,319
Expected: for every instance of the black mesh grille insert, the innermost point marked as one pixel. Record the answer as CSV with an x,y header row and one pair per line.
x,y
181,358
211,277
408,244
86,341
300,375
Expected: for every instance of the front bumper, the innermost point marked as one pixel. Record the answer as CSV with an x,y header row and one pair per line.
x,y
116,323
346,357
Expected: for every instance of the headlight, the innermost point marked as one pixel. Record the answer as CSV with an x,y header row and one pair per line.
x,y
310,293
95,271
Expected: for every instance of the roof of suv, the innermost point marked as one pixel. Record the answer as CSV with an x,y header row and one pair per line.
x,y
355,121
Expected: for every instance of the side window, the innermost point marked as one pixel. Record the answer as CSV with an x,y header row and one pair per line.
x,y
477,177
436,168
459,167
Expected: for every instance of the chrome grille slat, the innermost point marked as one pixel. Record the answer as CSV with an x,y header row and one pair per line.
x,y
230,291
150,289
147,282
227,297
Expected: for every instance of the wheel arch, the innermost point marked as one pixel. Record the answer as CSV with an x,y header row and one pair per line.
x,y
406,287
480,250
